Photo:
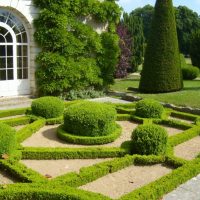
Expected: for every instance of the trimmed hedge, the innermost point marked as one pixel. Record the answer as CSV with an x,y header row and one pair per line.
x,y
90,119
12,112
48,107
72,153
30,129
190,72
162,68
17,121
7,139
149,139
157,189
149,108
86,140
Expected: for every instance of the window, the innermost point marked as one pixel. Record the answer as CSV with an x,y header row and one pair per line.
x,y
13,48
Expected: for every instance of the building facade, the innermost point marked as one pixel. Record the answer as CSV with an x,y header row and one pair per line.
x,y
18,50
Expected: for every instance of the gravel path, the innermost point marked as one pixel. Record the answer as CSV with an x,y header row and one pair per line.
x,y
172,131
5,178
126,180
59,167
46,137
189,149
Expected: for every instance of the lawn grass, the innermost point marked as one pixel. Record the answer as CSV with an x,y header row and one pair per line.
x,y
189,96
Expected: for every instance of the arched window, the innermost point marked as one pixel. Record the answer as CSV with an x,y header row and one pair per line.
x,y
13,48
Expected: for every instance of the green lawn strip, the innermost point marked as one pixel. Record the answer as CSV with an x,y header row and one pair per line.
x,y
30,129
85,140
17,121
184,136
21,172
189,96
12,112
72,153
88,174
155,190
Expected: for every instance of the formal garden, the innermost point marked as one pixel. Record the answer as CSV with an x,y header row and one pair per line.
x,y
86,150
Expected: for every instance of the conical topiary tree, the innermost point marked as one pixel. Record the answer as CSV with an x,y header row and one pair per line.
x,y
162,70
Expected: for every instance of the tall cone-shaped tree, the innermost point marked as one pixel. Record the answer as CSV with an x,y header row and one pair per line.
x,y
162,69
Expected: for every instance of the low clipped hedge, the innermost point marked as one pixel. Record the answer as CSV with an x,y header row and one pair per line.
x,y
86,140
190,72
90,119
149,108
7,139
47,107
149,139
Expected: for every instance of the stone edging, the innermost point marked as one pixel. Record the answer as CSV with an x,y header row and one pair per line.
x,y
128,97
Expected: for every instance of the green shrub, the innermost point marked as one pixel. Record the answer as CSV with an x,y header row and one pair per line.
x,y
194,49
90,119
149,108
48,107
149,139
7,139
190,72
162,68
83,94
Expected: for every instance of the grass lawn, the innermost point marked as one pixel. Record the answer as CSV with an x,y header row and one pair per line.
x,y
189,96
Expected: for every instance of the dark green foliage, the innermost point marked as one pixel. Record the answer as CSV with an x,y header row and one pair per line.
x,y
89,119
135,28
162,71
187,22
190,72
146,15
87,140
195,49
74,56
149,108
7,139
149,139
47,107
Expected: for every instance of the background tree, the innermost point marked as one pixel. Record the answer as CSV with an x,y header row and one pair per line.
x,y
126,54
187,22
162,68
135,28
195,49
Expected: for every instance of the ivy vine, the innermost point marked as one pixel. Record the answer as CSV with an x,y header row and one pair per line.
x,y
74,56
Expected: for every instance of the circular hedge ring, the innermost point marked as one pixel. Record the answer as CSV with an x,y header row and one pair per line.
x,y
149,139
86,140
48,107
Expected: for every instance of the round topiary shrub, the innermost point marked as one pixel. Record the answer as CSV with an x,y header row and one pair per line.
x,y
190,72
48,107
90,119
149,139
8,139
149,108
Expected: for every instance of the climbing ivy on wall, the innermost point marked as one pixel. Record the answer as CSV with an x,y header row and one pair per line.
x,y
74,56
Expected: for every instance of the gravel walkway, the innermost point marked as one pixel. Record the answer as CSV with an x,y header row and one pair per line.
x,y
59,167
46,137
126,180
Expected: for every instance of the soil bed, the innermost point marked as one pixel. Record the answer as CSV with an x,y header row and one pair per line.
x,y
172,131
189,149
56,168
124,181
46,137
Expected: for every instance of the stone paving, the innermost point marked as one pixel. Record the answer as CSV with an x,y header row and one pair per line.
x,y
187,191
